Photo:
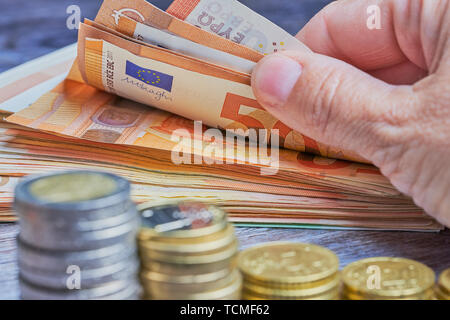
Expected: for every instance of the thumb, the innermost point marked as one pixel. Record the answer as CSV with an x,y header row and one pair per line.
x,y
327,99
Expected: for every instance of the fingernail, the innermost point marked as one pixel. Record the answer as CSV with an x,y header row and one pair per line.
x,y
274,78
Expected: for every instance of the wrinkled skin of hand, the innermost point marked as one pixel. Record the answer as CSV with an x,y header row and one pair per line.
x,y
383,93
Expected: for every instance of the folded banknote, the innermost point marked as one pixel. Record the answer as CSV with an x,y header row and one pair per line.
x,y
141,75
132,50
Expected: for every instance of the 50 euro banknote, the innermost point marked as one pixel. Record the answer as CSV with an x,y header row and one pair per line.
x,y
112,56
181,84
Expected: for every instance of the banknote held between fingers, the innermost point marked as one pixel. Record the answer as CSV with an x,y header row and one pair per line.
x,y
402,129
325,98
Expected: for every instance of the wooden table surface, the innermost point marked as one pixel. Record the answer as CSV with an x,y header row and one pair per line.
x,y
39,27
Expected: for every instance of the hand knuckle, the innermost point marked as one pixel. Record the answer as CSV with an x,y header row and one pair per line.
x,y
324,100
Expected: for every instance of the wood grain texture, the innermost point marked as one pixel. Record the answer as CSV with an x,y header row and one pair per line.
x,y
32,28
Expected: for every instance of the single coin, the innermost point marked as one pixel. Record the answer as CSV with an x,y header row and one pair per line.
x,y
172,269
206,257
176,241
90,278
333,283
180,220
170,288
99,224
73,194
294,286
59,261
350,295
34,228
444,281
210,242
231,291
283,262
387,277
71,187
131,292
78,241
148,276
250,296
31,292
332,294
440,295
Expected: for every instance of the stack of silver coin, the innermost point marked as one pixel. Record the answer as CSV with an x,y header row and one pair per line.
x,y
77,237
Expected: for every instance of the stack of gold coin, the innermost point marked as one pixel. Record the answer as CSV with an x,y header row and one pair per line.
x,y
385,278
442,288
282,271
188,252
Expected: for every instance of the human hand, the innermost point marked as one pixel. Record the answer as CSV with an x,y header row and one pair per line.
x,y
384,94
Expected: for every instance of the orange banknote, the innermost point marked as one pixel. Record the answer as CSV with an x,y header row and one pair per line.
x,y
183,85
246,195
82,111
153,97
222,104
95,129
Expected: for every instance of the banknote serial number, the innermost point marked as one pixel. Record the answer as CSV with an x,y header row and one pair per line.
x,y
228,309
110,71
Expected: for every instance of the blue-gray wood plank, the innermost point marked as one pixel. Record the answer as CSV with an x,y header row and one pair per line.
x,y
29,29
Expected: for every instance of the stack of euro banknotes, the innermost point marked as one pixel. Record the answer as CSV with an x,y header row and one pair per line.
x,y
133,90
